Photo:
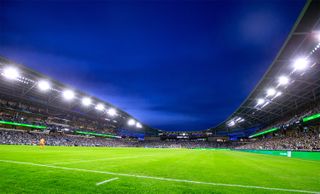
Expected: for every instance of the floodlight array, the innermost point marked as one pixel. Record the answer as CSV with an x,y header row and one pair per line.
x,y
299,66
12,73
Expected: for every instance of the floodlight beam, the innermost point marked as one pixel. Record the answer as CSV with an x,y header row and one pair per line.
x,y
11,73
100,107
43,85
300,64
283,80
112,112
131,122
86,101
68,94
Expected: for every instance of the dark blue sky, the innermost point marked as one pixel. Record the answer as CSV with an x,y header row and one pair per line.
x,y
173,65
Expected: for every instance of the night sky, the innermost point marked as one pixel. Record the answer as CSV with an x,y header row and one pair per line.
x,y
174,65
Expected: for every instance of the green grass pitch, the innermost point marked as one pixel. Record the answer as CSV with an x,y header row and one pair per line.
x,y
29,169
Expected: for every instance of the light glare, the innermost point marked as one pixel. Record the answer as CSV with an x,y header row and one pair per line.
x,y
278,94
43,85
131,122
271,92
300,64
112,112
68,94
138,125
10,73
231,123
318,36
86,101
260,101
283,80
100,107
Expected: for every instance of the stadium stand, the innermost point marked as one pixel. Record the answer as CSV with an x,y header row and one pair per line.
x,y
23,137
307,139
14,111
26,123
283,110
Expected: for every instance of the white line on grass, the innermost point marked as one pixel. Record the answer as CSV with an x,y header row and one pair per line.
x,y
106,181
102,159
162,178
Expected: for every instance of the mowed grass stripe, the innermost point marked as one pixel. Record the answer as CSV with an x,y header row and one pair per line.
x,y
101,159
162,178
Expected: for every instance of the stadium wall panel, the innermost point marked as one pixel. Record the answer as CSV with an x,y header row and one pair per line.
x,y
309,155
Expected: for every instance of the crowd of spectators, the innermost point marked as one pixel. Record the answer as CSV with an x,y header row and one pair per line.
x,y
14,111
185,144
291,136
22,137
294,119
294,139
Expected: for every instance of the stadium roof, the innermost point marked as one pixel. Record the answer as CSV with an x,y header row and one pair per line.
x,y
23,83
292,80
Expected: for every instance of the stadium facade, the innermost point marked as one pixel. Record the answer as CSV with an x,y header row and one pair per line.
x,y
23,87
290,86
287,96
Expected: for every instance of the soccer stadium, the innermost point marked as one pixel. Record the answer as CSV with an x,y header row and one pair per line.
x,y
56,137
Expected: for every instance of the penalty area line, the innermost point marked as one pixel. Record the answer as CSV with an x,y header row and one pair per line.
x,y
162,178
106,181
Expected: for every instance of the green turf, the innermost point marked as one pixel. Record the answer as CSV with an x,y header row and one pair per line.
x,y
229,167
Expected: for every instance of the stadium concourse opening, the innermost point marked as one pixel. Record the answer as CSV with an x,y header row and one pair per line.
x,y
56,138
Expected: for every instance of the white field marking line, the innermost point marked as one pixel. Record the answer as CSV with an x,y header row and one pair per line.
x,y
162,178
101,159
106,181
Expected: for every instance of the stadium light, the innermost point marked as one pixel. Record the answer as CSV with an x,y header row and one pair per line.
x,y
43,85
10,73
260,101
100,107
138,125
318,36
283,80
265,104
271,92
112,112
238,119
86,101
68,94
131,122
278,94
231,123
300,64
